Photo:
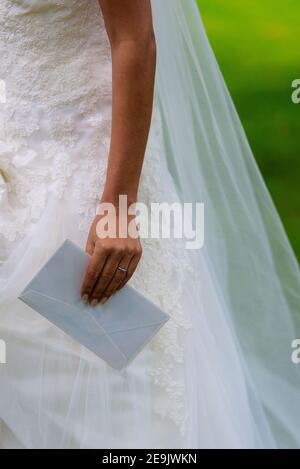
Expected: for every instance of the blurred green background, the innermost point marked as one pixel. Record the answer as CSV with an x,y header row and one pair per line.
x,y
257,44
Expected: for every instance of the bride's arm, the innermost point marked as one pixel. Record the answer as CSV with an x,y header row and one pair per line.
x,y
130,31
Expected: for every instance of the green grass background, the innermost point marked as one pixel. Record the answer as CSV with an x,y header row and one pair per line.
x,y
257,44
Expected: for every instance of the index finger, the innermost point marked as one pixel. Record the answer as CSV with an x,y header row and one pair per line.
x,y
93,271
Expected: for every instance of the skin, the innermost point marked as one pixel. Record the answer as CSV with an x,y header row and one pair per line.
x,y
130,31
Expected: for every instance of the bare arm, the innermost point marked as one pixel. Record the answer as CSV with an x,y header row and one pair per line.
x,y
130,31
129,27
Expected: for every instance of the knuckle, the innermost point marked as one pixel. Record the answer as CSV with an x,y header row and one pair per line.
x,y
128,248
104,278
139,250
97,292
106,248
91,274
102,248
117,281
138,255
121,249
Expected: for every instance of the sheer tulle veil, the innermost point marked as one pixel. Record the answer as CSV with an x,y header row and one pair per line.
x,y
249,256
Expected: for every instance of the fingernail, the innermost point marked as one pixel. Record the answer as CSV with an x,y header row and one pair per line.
x,y
104,300
94,302
85,299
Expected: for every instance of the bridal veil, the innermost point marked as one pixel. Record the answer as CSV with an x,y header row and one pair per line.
x,y
249,256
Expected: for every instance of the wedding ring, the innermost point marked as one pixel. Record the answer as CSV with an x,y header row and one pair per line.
x,y
121,269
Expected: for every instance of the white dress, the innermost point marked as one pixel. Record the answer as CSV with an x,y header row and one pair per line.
x,y
54,140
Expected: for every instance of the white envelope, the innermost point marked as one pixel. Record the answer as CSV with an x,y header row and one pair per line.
x,y
116,331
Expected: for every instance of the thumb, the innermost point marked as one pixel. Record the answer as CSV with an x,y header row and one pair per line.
x,y
89,248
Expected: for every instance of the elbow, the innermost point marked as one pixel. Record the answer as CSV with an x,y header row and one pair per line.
x,y
143,46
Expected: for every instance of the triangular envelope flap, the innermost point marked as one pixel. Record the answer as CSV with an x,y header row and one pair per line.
x,y
128,310
132,341
62,275
82,327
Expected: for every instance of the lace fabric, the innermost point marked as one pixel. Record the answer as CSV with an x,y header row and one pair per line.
x,y
54,85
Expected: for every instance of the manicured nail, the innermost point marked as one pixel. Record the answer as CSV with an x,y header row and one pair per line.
x,y
104,300
85,299
94,302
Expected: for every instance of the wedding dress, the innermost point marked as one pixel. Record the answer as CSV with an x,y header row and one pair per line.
x,y
190,387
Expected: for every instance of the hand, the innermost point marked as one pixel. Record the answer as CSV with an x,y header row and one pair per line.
x,y
103,277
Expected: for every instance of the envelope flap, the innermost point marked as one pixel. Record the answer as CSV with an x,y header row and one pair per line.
x,y
129,310
131,341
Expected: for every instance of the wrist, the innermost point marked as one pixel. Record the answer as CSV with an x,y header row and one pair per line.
x,y
118,199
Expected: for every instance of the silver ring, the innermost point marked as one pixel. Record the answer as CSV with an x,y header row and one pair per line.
x,y
122,270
